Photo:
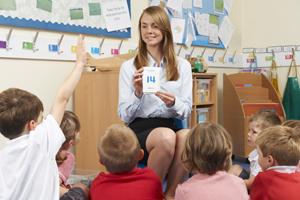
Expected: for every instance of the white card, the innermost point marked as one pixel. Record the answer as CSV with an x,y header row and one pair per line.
x,y
151,80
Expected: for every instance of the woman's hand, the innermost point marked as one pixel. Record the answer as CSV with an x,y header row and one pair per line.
x,y
137,82
166,97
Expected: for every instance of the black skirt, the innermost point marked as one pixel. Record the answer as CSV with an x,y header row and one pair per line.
x,y
143,126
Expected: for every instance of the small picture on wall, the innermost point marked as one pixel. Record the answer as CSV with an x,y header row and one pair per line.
x,y
76,12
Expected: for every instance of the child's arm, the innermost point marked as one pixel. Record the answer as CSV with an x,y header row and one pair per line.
x,y
67,88
249,181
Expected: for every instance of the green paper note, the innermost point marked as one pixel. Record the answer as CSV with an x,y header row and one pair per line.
x,y
95,9
45,5
76,13
7,5
214,19
219,6
28,45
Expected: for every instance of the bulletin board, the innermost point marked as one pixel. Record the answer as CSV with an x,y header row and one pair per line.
x,y
208,7
56,15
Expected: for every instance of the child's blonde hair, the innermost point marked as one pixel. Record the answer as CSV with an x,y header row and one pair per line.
x,y
265,119
207,149
119,149
70,126
282,143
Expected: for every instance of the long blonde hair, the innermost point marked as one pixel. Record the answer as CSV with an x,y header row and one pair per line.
x,y
161,19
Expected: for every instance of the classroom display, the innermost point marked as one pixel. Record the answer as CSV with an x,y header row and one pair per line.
x,y
199,22
101,17
244,94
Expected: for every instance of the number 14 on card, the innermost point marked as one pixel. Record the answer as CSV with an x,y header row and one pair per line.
x,y
150,79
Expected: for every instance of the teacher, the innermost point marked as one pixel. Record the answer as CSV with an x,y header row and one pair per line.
x,y
151,116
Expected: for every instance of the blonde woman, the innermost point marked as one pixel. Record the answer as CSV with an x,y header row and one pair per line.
x,y
151,117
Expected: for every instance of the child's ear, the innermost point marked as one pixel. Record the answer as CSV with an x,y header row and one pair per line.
x,y
31,125
271,161
100,161
141,154
70,143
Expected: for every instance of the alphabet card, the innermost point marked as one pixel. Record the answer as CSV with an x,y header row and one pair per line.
x,y
151,80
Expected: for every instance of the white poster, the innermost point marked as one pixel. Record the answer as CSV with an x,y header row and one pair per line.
x,y
116,15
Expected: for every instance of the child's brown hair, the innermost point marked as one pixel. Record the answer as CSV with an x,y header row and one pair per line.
x,y
265,119
119,149
207,149
17,108
294,124
282,143
70,126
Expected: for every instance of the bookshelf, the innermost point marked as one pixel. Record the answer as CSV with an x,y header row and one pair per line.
x,y
212,104
236,99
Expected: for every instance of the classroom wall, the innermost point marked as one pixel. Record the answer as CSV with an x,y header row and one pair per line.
x,y
272,23
255,26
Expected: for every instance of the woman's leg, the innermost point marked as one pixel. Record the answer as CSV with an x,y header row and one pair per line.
x,y
160,144
176,174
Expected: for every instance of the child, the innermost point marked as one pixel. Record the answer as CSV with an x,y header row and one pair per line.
x,y
28,169
278,155
65,160
207,152
257,123
119,151
294,124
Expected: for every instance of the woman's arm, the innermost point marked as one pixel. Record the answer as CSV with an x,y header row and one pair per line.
x,y
129,82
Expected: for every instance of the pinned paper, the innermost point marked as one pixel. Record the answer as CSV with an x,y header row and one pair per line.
x,y
8,5
202,23
198,3
228,5
213,29
116,15
219,6
45,5
76,12
226,31
174,4
151,80
177,26
94,9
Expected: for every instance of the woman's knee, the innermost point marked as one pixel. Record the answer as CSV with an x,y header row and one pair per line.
x,y
165,139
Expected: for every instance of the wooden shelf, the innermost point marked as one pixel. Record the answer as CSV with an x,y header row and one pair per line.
x,y
212,104
234,119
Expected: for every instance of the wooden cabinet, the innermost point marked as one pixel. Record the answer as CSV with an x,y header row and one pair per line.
x,y
212,103
235,119
96,105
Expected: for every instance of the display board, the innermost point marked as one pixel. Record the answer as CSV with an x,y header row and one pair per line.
x,y
207,14
86,17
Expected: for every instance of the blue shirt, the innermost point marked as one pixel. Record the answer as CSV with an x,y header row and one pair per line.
x,y
150,106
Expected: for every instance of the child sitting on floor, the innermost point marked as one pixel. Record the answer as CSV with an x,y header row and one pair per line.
x,y
119,151
65,160
278,155
257,123
207,152
27,164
